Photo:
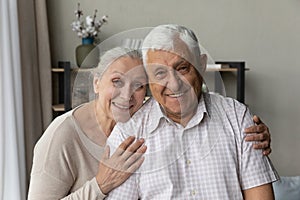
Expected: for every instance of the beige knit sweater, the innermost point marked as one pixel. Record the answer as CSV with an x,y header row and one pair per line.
x,y
65,163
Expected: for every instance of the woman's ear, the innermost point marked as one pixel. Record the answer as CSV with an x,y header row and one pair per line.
x,y
203,62
96,83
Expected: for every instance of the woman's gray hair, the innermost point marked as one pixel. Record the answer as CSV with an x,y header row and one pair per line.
x,y
170,37
112,55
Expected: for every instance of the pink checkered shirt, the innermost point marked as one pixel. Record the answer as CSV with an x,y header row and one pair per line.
x,y
207,159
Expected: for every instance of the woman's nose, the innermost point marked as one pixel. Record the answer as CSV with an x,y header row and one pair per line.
x,y
126,92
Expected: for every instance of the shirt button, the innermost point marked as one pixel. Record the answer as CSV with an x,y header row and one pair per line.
x,y
193,192
188,162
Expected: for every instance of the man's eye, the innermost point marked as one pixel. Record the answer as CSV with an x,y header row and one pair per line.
x,y
117,83
183,69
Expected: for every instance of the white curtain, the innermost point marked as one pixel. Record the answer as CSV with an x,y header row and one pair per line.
x,y
12,156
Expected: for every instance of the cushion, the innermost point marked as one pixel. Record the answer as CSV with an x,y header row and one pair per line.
x,y
287,188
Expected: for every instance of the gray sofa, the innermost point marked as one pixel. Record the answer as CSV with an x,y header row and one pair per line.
x,y
287,188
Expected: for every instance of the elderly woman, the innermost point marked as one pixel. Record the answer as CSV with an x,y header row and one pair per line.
x,y
71,160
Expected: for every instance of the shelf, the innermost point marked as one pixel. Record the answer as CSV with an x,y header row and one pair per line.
x,y
58,107
64,74
231,66
56,69
63,78
225,70
82,69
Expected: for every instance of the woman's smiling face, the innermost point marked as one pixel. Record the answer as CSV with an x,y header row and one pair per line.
x,y
121,89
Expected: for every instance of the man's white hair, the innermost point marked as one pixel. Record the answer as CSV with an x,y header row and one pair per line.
x,y
172,38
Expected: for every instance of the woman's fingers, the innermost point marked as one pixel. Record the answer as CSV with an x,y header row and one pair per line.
x,y
114,170
136,165
256,128
106,153
132,148
127,154
124,145
261,145
260,137
135,157
267,151
256,119
259,133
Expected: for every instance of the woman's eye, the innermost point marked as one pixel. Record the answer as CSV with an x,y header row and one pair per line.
x,y
160,74
117,83
138,86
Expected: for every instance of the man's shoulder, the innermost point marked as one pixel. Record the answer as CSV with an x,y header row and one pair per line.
x,y
217,100
231,111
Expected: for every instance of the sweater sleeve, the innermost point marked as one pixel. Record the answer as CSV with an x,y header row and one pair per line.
x,y
90,190
57,162
45,187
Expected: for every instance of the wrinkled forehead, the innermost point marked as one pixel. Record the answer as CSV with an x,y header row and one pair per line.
x,y
174,41
181,52
164,58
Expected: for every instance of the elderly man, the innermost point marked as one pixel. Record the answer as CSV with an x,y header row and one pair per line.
x,y
194,139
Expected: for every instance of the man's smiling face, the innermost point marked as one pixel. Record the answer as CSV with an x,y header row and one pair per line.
x,y
174,83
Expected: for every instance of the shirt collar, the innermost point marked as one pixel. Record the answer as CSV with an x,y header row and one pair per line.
x,y
205,98
204,107
157,114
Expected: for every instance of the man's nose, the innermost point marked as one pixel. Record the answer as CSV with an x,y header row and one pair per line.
x,y
174,81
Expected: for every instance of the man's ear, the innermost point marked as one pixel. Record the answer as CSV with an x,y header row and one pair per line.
x,y
96,84
203,62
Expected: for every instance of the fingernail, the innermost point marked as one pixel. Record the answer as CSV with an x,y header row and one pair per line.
x,y
142,140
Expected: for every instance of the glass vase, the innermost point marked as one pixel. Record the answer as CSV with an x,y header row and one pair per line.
x,y
87,54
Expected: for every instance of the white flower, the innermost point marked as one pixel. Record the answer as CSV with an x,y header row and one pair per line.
x,y
89,21
104,18
91,27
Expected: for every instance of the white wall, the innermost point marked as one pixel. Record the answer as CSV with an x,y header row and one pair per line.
x,y
266,34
